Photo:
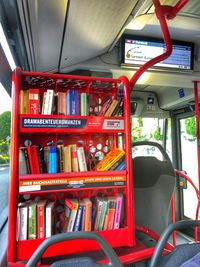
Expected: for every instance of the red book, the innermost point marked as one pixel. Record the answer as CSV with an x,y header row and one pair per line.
x,y
41,218
33,101
33,159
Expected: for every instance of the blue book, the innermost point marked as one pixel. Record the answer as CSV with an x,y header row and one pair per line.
x,y
52,159
121,166
72,102
78,224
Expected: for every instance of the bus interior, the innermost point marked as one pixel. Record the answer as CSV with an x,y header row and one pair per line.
x,y
110,39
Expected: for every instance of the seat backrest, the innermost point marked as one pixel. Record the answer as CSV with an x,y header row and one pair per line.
x,y
154,183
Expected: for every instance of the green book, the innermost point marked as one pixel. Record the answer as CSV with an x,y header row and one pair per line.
x,y
84,104
103,214
32,230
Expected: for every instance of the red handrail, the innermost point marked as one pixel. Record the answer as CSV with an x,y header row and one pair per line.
x,y
162,12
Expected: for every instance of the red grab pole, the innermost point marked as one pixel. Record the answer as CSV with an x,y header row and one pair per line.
x,y
162,12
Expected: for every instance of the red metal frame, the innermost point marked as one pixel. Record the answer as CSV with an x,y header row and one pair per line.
x,y
162,13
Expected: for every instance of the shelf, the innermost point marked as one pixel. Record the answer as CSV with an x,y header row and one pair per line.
x,y
70,181
70,247
70,124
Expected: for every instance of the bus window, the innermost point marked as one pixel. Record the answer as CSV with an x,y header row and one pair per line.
x,y
189,163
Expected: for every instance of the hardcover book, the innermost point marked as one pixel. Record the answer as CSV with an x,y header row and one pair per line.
x,y
81,159
33,101
32,224
41,218
50,219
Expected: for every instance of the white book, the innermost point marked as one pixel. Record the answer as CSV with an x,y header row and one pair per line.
x,y
81,159
73,214
49,219
48,103
22,221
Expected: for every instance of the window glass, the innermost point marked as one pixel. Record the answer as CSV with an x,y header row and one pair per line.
x,y
5,117
189,163
149,129
169,139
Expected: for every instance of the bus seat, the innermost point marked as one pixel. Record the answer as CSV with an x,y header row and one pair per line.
x,y
154,183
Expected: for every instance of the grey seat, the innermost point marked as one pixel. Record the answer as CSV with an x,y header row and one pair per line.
x,y
154,183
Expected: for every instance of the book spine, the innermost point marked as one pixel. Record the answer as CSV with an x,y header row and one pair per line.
x,y
41,221
111,108
23,223
118,211
117,164
33,101
111,213
52,159
74,103
67,159
84,104
98,215
103,214
61,103
33,159
60,158
68,102
105,107
48,105
49,219
81,159
77,225
72,216
88,215
32,221
121,166
74,157
23,168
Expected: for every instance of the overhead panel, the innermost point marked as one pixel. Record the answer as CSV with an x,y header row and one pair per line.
x,y
5,72
44,20
91,27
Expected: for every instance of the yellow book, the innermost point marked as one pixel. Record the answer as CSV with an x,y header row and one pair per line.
x,y
110,159
23,102
111,108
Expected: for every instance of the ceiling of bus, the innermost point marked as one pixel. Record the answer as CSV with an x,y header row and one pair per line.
x,y
65,35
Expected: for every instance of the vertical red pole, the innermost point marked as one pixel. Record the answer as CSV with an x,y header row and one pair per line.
x,y
173,217
196,99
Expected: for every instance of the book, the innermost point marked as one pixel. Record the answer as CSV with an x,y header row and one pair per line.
x,y
103,213
111,108
52,166
23,161
110,159
118,210
114,166
41,205
105,107
109,217
43,102
61,103
48,104
33,159
67,159
81,159
84,104
33,101
60,158
98,213
32,225
23,101
74,208
74,158
78,221
22,221
121,166
88,214
72,102
119,108
49,219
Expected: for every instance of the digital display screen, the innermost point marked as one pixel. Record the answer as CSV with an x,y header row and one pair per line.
x,y
139,50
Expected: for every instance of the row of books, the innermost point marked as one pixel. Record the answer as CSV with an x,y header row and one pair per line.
x,y
43,219
36,159
65,103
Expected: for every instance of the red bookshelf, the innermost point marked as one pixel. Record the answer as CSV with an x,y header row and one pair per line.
x,y
96,133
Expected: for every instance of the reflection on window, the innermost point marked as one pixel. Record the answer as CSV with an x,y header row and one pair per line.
x,y
146,150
